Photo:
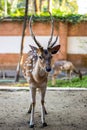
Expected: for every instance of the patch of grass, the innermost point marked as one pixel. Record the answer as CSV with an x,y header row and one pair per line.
x,y
74,82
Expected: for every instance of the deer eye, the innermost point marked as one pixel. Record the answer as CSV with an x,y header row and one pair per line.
x,y
41,57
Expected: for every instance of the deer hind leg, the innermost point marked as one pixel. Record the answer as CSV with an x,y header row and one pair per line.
x,y
43,110
80,75
32,106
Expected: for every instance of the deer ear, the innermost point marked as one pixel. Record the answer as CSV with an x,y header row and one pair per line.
x,y
33,48
55,49
38,50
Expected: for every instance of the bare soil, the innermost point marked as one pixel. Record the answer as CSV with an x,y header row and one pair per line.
x,y
67,110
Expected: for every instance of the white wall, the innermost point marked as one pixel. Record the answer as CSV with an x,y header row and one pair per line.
x,y
11,44
77,45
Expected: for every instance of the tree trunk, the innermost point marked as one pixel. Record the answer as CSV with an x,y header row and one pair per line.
x,y
40,5
0,4
35,8
48,8
6,8
22,43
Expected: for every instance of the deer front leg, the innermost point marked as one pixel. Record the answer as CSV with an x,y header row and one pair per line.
x,y
43,110
33,101
30,108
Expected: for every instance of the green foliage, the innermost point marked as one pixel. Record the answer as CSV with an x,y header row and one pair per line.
x,y
72,18
2,8
62,10
17,13
75,82
19,10
44,17
66,6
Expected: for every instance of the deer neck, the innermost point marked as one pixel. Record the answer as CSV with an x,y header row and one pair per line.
x,y
39,74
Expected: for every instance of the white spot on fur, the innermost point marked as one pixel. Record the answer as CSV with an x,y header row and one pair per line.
x,y
29,64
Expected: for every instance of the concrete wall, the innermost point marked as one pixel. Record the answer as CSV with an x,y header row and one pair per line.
x,y
73,40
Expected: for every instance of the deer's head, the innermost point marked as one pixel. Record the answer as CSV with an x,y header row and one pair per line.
x,y
45,55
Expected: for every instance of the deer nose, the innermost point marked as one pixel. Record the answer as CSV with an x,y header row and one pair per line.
x,y
48,69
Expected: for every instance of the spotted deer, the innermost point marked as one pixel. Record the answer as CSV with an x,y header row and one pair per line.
x,y
66,66
36,68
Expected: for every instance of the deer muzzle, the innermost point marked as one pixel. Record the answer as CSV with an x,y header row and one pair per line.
x,y
48,68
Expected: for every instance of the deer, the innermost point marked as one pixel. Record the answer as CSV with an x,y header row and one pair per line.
x,y
36,69
64,65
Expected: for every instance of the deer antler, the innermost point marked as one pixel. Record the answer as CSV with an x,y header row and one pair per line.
x,y
32,34
52,29
54,42
50,45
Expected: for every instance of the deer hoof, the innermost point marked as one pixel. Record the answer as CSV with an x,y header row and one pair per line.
x,y
31,126
44,124
29,112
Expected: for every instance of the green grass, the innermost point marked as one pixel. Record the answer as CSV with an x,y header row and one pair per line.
x,y
75,82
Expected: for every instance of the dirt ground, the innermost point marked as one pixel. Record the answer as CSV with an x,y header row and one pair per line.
x,y
67,110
